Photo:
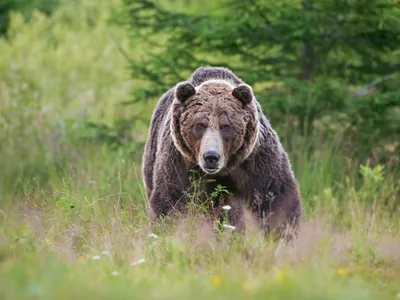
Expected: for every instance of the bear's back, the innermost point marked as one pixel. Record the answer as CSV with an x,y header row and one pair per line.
x,y
204,74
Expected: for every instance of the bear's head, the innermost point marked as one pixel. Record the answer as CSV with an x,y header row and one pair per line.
x,y
215,125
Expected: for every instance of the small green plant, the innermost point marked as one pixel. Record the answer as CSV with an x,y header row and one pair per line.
x,y
375,189
372,177
202,202
198,198
66,205
218,191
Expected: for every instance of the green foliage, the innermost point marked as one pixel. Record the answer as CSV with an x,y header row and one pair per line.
x,y
199,200
58,72
372,176
307,60
25,7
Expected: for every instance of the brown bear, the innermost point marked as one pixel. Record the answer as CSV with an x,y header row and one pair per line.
x,y
213,123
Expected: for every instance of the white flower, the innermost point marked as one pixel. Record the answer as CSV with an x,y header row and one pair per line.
x,y
230,227
105,252
114,273
226,207
139,262
153,235
96,257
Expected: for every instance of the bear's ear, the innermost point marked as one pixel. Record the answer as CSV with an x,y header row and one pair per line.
x,y
184,90
244,93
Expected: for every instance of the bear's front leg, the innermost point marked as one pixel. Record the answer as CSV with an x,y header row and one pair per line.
x,y
278,211
169,186
165,200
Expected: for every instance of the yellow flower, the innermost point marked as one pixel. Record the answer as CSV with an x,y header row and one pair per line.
x,y
279,275
343,272
216,281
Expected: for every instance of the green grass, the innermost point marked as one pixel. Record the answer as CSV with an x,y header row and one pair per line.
x,y
64,201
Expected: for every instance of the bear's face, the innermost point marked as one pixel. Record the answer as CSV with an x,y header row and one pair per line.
x,y
214,125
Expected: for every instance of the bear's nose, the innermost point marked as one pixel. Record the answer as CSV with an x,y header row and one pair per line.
x,y
211,158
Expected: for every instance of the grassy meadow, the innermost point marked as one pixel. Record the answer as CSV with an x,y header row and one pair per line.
x,y
73,214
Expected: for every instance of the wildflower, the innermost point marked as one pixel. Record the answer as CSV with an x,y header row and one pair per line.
x,y
105,252
343,272
230,227
216,281
96,257
226,207
114,273
153,235
279,275
139,262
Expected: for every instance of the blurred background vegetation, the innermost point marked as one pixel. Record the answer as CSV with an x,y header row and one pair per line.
x,y
79,80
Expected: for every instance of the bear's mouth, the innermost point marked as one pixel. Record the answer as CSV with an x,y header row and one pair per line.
x,y
211,170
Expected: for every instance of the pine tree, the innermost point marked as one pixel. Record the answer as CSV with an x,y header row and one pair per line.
x,y
306,59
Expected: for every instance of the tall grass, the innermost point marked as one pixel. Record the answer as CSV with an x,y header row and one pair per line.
x,y
64,201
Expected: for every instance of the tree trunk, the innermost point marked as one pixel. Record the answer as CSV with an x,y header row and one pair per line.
x,y
307,69
307,50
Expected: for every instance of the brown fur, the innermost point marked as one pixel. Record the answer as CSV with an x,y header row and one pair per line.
x,y
257,170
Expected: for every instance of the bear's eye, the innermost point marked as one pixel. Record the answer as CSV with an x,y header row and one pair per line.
x,y
201,126
225,127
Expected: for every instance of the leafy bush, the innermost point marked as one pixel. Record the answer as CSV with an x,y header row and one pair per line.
x,y
25,7
56,72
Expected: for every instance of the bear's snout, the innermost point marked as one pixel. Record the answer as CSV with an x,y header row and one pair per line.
x,y
211,159
211,156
